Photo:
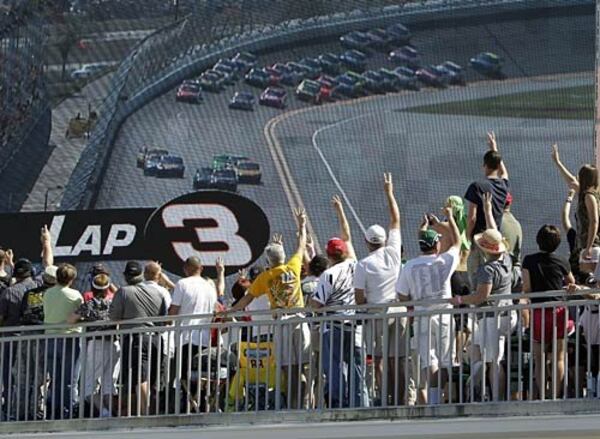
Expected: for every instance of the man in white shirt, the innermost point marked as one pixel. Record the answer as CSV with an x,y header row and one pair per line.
x,y
375,282
192,295
342,355
425,279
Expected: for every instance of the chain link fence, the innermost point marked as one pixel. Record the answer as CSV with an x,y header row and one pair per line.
x,y
23,35
216,28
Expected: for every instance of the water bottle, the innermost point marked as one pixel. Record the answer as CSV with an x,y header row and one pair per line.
x,y
591,385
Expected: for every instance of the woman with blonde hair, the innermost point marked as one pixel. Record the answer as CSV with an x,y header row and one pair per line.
x,y
587,213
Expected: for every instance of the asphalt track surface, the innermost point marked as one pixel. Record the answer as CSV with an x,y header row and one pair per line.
x,y
431,156
556,427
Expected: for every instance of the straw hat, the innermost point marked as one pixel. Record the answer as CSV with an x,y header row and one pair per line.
x,y
491,241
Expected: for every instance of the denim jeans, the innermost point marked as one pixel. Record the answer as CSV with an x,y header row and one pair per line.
x,y
343,362
61,363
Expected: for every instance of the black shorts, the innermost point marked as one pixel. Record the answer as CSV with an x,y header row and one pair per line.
x,y
461,286
140,360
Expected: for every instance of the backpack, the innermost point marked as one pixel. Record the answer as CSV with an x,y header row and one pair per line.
x,y
33,307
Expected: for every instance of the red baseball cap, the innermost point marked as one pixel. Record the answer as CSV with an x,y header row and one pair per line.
x,y
336,247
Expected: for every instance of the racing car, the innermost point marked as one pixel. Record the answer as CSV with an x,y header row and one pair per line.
x,y
354,59
258,78
225,179
249,172
207,178
242,100
399,33
245,61
408,78
287,75
356,40
377,83
406,55
432,77
488,64
146,153
310,91
273,97
170,166
380,39
211,81
189,92
313,66
454,72
330,63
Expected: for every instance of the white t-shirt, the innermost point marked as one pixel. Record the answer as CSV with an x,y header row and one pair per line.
x,y
194,295
377,273
427,277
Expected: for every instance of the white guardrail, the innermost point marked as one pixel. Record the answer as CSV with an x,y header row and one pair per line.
x,y
515,348
132,87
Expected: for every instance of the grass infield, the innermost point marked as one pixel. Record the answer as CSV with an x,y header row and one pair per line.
x,y
561,103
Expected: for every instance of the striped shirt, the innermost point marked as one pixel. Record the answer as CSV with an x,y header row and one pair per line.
x,y
336,286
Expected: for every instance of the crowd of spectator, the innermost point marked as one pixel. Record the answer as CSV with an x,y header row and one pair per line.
x,y
21,76
389,333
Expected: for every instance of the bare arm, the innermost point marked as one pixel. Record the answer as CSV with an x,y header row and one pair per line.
x,y
47,253
220,266
482,294
491,137
300,215
73,318
345,233
569,178
454,232
490,222
471,219
391,200
526,289
309,251
243,303
166,282
315,304
566,211
591,205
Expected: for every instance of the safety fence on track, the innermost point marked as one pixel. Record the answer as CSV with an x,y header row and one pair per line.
x,y
421,354
184,48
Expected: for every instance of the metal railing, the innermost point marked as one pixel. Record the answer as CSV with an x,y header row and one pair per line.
x,y
187,47
422,354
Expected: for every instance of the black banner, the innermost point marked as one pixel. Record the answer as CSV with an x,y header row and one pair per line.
x,y
206,224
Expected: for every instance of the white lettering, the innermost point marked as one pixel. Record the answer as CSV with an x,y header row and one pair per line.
x,y
55,229
88,242
239,252
113,239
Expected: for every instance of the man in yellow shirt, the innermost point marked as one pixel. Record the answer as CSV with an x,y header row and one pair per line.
x,y
281,283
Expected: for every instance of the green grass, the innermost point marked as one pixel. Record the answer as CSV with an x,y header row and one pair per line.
x,y
562,103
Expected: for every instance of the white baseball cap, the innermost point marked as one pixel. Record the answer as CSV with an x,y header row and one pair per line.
x,y
375,235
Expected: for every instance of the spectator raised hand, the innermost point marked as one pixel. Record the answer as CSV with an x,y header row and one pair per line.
x,y
491,139
277,239
569,178
47,252
220,267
